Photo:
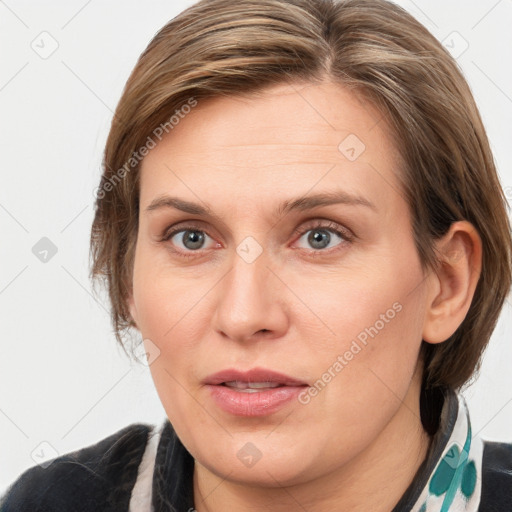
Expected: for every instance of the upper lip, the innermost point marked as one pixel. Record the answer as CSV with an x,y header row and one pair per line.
x,y
252,375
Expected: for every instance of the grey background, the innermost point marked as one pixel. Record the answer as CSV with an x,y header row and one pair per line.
x,y
64,383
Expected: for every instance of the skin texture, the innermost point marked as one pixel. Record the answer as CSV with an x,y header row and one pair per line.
x,y
357,444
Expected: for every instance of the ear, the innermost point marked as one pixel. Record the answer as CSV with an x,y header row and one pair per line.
x,y
452,285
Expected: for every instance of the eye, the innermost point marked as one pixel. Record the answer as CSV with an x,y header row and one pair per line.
x,y
187,239
319,236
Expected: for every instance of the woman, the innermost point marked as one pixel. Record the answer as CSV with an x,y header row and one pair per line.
x,y
300,214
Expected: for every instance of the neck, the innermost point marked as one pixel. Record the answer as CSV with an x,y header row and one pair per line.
x,y
374,480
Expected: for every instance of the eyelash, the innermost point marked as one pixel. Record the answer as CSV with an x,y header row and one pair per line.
x,y
343,233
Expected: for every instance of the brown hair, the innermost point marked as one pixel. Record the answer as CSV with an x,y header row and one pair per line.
x,y
226,48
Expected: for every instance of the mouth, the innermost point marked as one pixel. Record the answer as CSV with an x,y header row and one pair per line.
x,y
257,392
251,387
254,378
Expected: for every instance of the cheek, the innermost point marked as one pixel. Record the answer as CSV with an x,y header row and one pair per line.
x,y
365,332
362,353
171,313
164,298
383,301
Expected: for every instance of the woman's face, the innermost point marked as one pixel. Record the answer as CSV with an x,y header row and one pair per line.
x,y
289,259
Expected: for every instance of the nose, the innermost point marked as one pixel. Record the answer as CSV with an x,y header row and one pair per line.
x,y
251,301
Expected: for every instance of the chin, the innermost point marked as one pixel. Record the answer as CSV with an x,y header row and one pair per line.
x,y
270,473
255,459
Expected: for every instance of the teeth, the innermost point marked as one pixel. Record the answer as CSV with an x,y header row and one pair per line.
x,y
251,387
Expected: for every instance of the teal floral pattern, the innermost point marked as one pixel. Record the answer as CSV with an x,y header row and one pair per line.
x,y
454,484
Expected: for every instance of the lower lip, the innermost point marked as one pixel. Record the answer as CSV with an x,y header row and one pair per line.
x,y
260,403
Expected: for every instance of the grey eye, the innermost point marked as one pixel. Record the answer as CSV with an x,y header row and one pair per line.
x,y
191,239
319,238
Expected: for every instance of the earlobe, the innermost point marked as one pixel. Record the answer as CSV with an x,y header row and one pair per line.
x,y
453,283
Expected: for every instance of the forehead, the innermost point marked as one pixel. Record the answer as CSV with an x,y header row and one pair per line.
x,y
287,138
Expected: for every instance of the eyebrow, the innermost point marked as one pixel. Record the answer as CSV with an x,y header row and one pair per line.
x,y
299,204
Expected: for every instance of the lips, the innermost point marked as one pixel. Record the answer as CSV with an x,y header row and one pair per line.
x,y
257,392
